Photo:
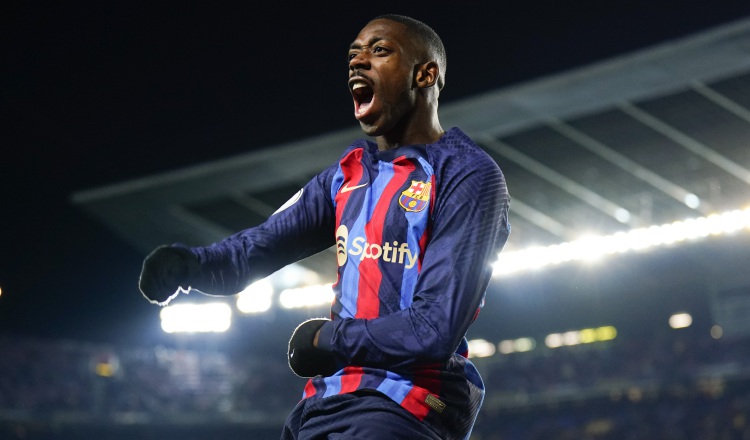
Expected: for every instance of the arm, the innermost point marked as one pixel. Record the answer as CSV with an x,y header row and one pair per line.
x,y
470,227
299,229
291,234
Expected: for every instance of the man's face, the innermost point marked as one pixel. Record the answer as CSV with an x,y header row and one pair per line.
x,y
381,72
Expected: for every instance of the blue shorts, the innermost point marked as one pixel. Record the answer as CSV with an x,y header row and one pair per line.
x,y
359,415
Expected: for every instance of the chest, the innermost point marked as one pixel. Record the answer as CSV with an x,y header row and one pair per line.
x,y
384,203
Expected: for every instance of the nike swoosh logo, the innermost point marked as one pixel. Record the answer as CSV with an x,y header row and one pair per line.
x,y
346,188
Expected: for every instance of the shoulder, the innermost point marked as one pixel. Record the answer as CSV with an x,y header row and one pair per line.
x,y
457,152
359,146
353,153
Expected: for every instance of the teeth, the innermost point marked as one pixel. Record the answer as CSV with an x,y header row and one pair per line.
x,y
358,85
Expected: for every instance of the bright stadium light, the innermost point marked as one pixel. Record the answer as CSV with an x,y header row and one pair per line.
x,y
196,318
692,201
680,320
595,247
716,332
522,345
506,346
309,296
519,345
606,333
577,337
588,335
571,338
622,215
256,298
481,348
554,340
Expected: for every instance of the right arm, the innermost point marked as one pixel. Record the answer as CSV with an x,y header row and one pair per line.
x,y
300,228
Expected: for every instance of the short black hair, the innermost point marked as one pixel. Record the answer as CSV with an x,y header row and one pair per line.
x,y
427,36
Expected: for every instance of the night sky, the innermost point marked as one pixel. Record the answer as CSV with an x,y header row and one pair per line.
x,y
97,93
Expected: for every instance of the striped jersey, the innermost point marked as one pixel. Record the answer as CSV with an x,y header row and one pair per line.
x,y
415,230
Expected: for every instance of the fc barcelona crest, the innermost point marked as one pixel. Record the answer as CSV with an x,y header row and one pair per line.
x,y
416,197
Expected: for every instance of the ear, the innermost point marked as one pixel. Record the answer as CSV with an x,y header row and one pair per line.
x,y
427,74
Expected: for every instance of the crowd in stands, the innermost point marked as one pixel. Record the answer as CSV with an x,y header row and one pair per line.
x,y
677,386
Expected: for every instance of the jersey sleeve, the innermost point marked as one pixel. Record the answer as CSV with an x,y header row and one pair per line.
x,y
301,227
470,227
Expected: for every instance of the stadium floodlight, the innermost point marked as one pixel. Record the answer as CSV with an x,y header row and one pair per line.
x,y
595,247
519,345
680,320
196,318
577,337
571,338
554,340
481,348
588,335
692,201
308,296
716,332
606,333
256,298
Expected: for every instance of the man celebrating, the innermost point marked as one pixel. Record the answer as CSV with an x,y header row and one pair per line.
x,y
417,217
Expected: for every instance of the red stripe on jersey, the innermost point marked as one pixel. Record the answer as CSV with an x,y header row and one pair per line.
x,y
427,381
422,245
414,402
309,389
433,194
368,303
351,168
350,379
428,230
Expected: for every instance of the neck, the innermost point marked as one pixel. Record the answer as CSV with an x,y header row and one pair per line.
x,y
412,132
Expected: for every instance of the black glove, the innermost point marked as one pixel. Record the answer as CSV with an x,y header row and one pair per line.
x,y
306,360
165,270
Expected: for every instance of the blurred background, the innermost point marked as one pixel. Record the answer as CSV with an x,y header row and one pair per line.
x,y
618,309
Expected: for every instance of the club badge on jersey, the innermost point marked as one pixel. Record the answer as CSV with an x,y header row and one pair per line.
x,y
416,197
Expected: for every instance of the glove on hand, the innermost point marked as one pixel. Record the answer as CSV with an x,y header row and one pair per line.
x,y
165,271
305,359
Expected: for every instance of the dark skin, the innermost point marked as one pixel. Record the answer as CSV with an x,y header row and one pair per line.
x,y
402,79
399,101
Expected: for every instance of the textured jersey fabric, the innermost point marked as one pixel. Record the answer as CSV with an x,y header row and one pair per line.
x,y
415,230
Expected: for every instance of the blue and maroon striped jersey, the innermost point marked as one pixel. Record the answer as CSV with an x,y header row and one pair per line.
x,y
416,229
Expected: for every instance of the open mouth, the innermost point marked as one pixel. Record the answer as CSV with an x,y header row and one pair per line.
x,y
363,97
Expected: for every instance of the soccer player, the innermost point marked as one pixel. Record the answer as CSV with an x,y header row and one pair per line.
x,y
417,216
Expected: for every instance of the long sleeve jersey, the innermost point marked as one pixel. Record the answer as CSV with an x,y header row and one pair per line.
x,y
415,230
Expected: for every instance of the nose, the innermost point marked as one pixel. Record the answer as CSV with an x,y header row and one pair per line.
x,y
360,60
